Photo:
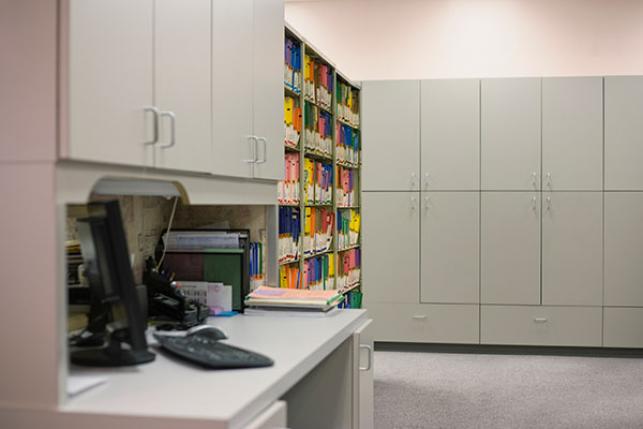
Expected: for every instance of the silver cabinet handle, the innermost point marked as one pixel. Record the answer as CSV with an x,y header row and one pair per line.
x,y
265,150
413,203
534,205
540,320
427,202
534,178
253,149
155,116
370,357
418,316
548,199
413,180
426,180
549,180
172,116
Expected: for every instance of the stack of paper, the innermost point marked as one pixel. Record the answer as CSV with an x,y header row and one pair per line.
x,y
269,297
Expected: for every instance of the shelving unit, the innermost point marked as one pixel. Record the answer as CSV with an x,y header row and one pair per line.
x,y
329,109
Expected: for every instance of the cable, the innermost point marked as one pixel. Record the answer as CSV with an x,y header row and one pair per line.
x,y
167,233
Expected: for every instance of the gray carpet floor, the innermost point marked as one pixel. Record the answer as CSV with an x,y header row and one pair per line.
x,y
445,390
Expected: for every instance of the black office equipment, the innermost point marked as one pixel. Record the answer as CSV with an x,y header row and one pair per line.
x,y
167,303
203,348
116,307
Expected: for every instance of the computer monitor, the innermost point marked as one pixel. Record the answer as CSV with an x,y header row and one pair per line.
x,y
116,307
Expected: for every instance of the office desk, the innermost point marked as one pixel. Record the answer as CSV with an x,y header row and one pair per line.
x,y
316,373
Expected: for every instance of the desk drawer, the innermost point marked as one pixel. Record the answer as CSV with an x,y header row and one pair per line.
x,y
623,327
424,323
541,326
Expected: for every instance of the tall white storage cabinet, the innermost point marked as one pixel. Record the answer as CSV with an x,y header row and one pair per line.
x,y
510,134
557,231
391,123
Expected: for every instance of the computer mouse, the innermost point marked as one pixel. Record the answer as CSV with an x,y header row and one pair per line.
x,y
209,331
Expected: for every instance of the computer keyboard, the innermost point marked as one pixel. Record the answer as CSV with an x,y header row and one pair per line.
x,y
205,351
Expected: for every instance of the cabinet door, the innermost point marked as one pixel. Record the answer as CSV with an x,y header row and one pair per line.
x,y
573,133
624,133
510,134
624,249
363,378
268,86
232,77
182,84
510,248
450,134
391,246
450,247
391,135
572,243
110,80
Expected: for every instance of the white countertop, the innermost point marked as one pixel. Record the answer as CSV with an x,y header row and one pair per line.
x,y
173,388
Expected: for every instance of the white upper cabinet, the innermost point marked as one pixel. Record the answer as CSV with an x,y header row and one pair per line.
x,y
234,148
510,248
624,133
182,56
572,133
109,78
450,124
391,135
450,258
186,85
268,88
510,134
572,248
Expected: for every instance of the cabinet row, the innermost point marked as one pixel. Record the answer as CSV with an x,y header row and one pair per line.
x,y
192,86
569,133
510,325
514,248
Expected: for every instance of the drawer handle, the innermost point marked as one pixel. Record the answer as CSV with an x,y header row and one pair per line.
x,y
418,316
370,357
540,319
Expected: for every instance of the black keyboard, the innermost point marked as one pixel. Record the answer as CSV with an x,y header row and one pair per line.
x,y
205,351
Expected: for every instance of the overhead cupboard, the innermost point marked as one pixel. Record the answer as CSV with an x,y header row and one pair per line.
x,y
187,86
494,204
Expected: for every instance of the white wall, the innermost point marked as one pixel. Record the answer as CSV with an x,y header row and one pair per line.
x,y
404,39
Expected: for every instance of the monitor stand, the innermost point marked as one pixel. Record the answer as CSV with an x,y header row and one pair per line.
x,y
112,355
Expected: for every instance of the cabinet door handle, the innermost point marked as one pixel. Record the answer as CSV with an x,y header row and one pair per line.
x,y
534,178
540,319
413,203
155,116
534,205
548,199
549,180
265,150
253,149
427,202
172,116
418,317
413,180
370,357
426,180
